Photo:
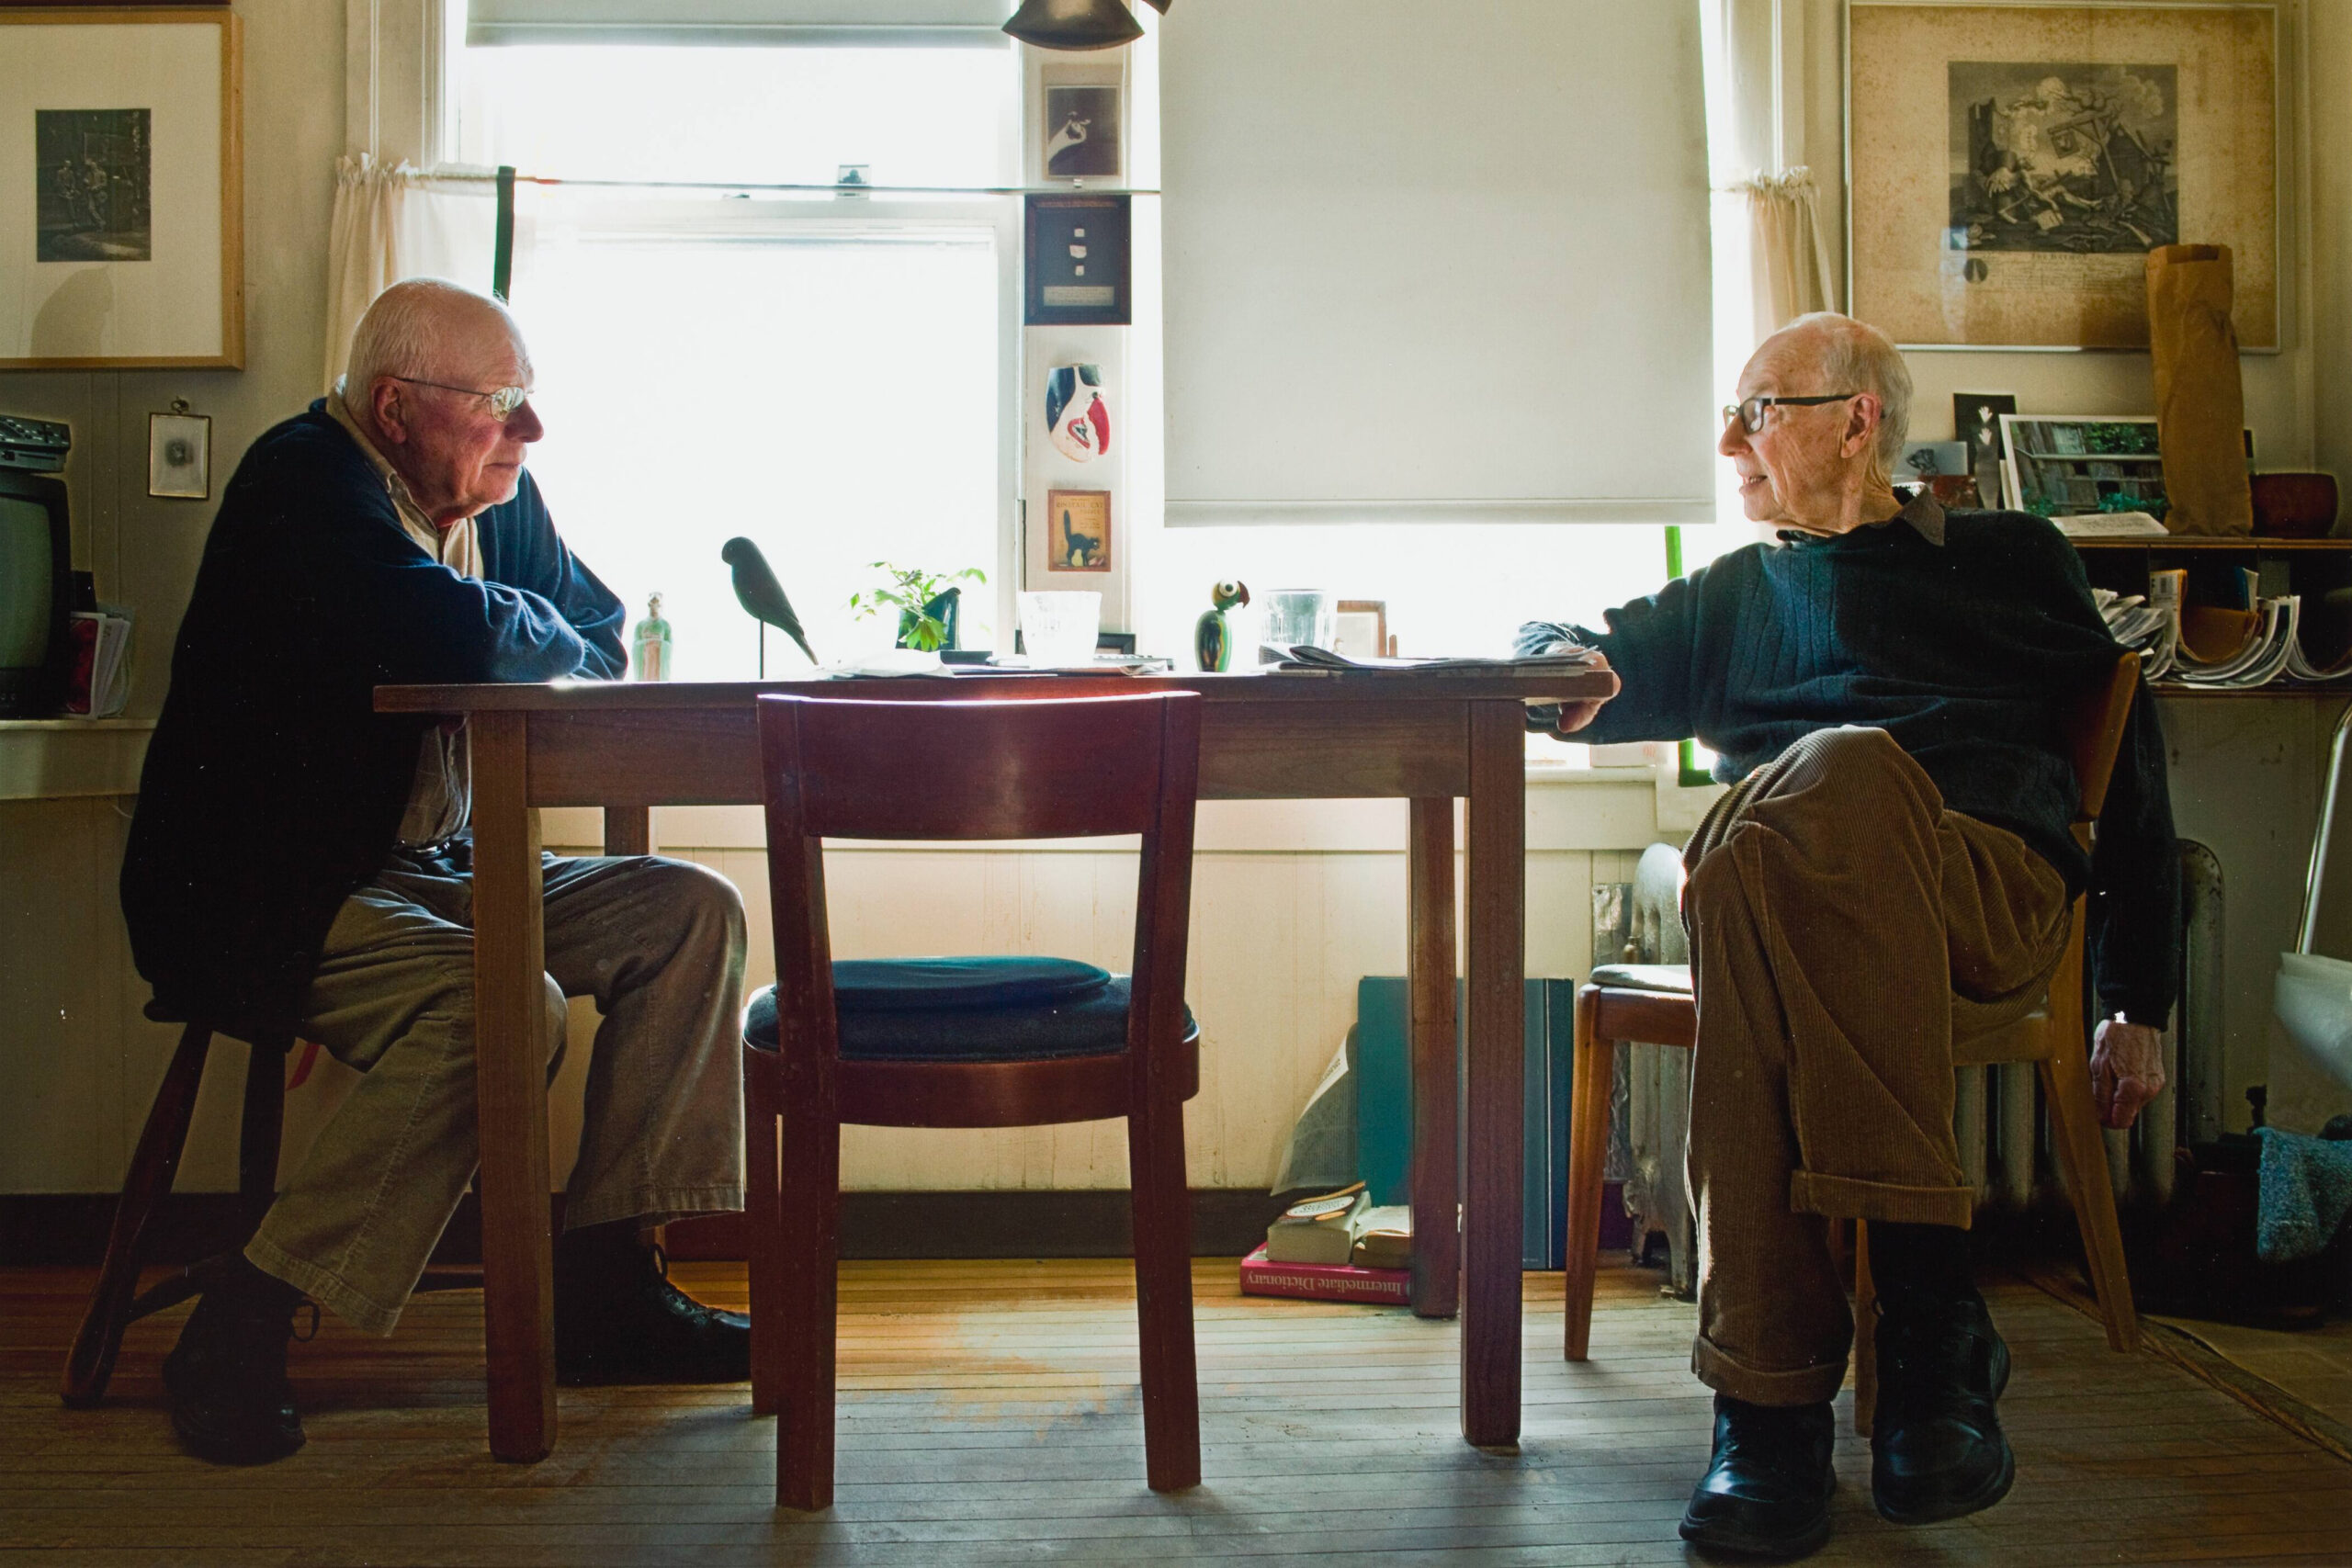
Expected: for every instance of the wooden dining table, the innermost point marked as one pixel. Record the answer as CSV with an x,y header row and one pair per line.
x,y
1426,737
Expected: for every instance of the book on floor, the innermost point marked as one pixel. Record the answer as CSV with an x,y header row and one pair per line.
x,y
1326,1282
1318,1230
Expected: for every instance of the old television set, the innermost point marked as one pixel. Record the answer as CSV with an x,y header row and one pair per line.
x,y
36,584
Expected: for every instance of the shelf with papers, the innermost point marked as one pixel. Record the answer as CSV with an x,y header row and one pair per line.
x,y
2230,616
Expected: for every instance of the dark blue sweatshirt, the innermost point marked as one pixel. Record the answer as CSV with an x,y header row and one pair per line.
x,y
1964,637
272,788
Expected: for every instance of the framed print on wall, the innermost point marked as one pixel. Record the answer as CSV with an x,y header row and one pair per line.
x,y
2010,166
121,206
1077,524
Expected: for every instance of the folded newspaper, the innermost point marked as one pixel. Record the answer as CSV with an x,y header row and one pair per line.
x,y
1558,658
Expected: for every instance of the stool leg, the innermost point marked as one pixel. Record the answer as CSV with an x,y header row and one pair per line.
x,y
263,1123
1865,1333
1595,1064
90,1363
2081,1153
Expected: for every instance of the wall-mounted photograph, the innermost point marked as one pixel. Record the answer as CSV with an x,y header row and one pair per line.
x,y
96,185
1082,128
1077,530
2014,164
179,455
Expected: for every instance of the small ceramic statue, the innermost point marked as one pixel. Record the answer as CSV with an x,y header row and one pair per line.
x,y
649,644
1212,634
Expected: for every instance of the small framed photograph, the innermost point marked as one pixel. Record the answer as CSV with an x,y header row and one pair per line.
x,y
180,455
1363,629
1077,530
1075,255
1081,132
1928,459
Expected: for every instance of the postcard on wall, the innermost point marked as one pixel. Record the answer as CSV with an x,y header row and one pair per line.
x,y
2012,165
1081,132
1077,530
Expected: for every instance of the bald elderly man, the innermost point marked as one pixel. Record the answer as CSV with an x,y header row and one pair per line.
x,y
1885,687
299,862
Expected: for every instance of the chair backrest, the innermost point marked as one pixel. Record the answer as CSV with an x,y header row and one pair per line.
x,y
2095,734
1083,767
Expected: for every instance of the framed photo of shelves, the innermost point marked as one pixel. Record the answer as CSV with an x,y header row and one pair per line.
x,y
2071,465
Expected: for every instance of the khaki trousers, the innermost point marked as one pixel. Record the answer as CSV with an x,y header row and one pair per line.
x,y
1839,916
658,943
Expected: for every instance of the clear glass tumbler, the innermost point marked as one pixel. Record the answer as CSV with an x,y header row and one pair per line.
x,y
1060,629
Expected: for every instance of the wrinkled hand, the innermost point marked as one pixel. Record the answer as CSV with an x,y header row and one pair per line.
x,y
2127,1070
1575,716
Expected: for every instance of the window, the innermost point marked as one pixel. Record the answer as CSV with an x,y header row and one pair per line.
x,y
828,374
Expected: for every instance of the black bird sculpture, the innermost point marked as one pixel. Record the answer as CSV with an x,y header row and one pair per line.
x,y
760,593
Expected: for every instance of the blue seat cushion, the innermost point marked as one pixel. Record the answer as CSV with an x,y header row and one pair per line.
x,y
966,1010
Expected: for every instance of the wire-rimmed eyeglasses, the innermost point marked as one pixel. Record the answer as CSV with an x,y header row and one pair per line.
x,y
504,401
1749,411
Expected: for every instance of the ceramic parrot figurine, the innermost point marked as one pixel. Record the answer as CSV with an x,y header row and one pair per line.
x,y
1212,634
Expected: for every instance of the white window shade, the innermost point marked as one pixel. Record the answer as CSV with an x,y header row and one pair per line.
x,y
857,24
1436,262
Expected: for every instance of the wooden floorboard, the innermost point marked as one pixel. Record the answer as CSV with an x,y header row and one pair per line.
x,y
989,1414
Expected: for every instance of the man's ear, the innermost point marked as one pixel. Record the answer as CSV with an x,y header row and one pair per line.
x,y
1861,424
387,412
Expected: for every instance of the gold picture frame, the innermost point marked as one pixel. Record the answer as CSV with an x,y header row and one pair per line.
x,y
1077,530
2008,167
121,189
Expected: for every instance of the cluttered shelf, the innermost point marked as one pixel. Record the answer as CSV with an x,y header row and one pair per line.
x,y
2247,543
2232,615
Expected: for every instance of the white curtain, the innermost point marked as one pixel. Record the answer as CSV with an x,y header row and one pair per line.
x,y
1788,254
396,222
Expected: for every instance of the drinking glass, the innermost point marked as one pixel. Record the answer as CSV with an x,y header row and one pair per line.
x,y
1059,628
1297,615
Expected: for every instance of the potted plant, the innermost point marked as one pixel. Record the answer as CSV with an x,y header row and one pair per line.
x,y
926,604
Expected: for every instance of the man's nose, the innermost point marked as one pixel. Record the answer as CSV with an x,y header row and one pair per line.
x,y
524,425
1735,438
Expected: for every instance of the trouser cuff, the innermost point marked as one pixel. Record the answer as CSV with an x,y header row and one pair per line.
x,y
329,1291
1726,1373
651,1205
1849,1198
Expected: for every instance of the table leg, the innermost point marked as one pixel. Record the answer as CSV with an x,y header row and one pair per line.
x,y
510,1069
1496,1036
1429,957
628,829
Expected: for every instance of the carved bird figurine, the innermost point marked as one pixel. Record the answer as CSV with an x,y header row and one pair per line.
x,y
760,593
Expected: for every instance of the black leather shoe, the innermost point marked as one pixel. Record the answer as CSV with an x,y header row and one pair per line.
x,y
1937,1451
618,1319
1766,1492
231,1402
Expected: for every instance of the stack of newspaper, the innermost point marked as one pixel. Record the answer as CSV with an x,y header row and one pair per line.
x,y
2266,646
1559,659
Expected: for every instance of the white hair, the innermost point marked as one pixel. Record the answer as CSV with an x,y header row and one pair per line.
x,y
1856,357
403,328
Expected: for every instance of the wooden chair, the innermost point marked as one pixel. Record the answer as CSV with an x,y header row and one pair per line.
x,y
1653,1003
1038,768
117,1303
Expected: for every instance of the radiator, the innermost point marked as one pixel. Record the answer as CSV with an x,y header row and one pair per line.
x,y
2002,1126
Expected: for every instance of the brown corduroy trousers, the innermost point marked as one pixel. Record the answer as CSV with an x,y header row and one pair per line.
x,y
1840,919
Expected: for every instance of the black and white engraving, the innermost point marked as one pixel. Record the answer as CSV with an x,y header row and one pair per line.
x,y
95,176
2074,159
1081,132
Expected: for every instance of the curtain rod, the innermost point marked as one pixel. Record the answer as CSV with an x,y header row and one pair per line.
x,y
492,177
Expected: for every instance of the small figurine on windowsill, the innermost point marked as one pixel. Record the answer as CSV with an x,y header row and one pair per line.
x,y
1213,634
650,645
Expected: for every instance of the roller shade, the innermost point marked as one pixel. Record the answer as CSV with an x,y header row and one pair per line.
x,y
1436,261
811,23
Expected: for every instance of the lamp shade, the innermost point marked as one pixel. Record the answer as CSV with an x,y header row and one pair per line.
x,y
1074,24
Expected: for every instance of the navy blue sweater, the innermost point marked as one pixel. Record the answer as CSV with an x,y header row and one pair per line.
x,y
1967,651
272,788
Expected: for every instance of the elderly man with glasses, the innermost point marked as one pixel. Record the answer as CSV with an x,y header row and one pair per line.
x,y
299,862
1884,686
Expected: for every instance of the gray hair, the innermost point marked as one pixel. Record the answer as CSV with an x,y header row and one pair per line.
x,y
403,327
1855,355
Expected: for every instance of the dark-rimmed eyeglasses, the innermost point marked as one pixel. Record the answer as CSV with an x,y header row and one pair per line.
x,y
1749,411
503,401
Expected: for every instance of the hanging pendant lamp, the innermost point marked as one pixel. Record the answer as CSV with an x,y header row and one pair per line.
x,y
1074,24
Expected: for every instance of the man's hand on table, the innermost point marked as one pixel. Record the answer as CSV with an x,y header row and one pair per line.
x,y
1575,716
2127,1070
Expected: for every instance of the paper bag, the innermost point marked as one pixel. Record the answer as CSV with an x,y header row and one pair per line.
x,y
2200,405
